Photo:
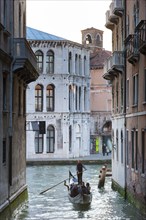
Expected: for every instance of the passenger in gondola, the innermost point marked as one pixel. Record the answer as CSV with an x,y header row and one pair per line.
x,y
74,190
84,189
88,188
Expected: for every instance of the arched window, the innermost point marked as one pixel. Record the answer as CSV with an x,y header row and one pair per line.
x,y
39,56
80,65
122,153
39,98
88,39
80,100
98,37
50,98
50,62
76,64
70,138
38,142
85,94
84,65
117,144
76,98
70,98
69,62
50,139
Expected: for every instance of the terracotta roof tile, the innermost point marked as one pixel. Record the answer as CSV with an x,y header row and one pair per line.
x,y
98,58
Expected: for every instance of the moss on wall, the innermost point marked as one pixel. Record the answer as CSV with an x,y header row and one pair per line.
x,y
13,207
130,198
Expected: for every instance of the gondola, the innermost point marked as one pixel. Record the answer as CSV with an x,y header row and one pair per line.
x,y
78,194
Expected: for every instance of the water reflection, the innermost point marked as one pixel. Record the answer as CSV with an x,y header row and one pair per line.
x,y
54,204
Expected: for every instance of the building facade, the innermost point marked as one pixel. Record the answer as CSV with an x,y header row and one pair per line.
x,y
17,69
100,91
58,104
127,70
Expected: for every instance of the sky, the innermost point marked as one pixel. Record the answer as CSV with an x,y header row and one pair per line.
x,y
66,18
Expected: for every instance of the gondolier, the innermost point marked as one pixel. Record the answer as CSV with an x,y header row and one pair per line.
x,y
79,170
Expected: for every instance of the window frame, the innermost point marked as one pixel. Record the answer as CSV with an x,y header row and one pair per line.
x,y
39,142
39,98
50,98
50,139
50,62
40,58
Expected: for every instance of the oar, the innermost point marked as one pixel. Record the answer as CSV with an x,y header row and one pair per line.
x,y
52,186
55,185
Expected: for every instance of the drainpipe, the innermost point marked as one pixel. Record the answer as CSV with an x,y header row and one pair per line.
x,y
125,83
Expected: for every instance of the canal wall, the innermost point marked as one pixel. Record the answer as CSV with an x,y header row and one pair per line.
x,y
14,204
92,159
130,198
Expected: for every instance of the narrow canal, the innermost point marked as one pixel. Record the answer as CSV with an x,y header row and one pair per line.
x,y
54,204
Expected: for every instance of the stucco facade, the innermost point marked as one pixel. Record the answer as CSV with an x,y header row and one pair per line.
x,y
17,69
65,102
100,92
127,71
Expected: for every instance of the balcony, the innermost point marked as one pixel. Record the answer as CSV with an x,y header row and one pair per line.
x,y
25,63
132,53
141,31
112,17
114,65
108,24
118,8
118,61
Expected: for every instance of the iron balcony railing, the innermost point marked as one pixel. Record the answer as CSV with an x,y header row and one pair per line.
x,y
22,50
132,45
118,7
141,33
115,62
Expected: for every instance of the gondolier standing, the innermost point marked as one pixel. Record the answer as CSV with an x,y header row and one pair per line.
x,y
79,169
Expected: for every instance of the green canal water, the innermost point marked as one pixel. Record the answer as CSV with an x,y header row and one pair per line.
x,y
54,204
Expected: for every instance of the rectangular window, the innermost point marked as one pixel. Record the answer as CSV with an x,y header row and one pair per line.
x,y
145,85
143,146
113,99
4,93
122,95
132,153
127,94
127,147
135,90
117,96
136,150
19,101
38,142
4,151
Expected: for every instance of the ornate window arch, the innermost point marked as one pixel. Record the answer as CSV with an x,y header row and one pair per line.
x,y
69,62
39,98
50,97
88,39
50,62
40,57
50,139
